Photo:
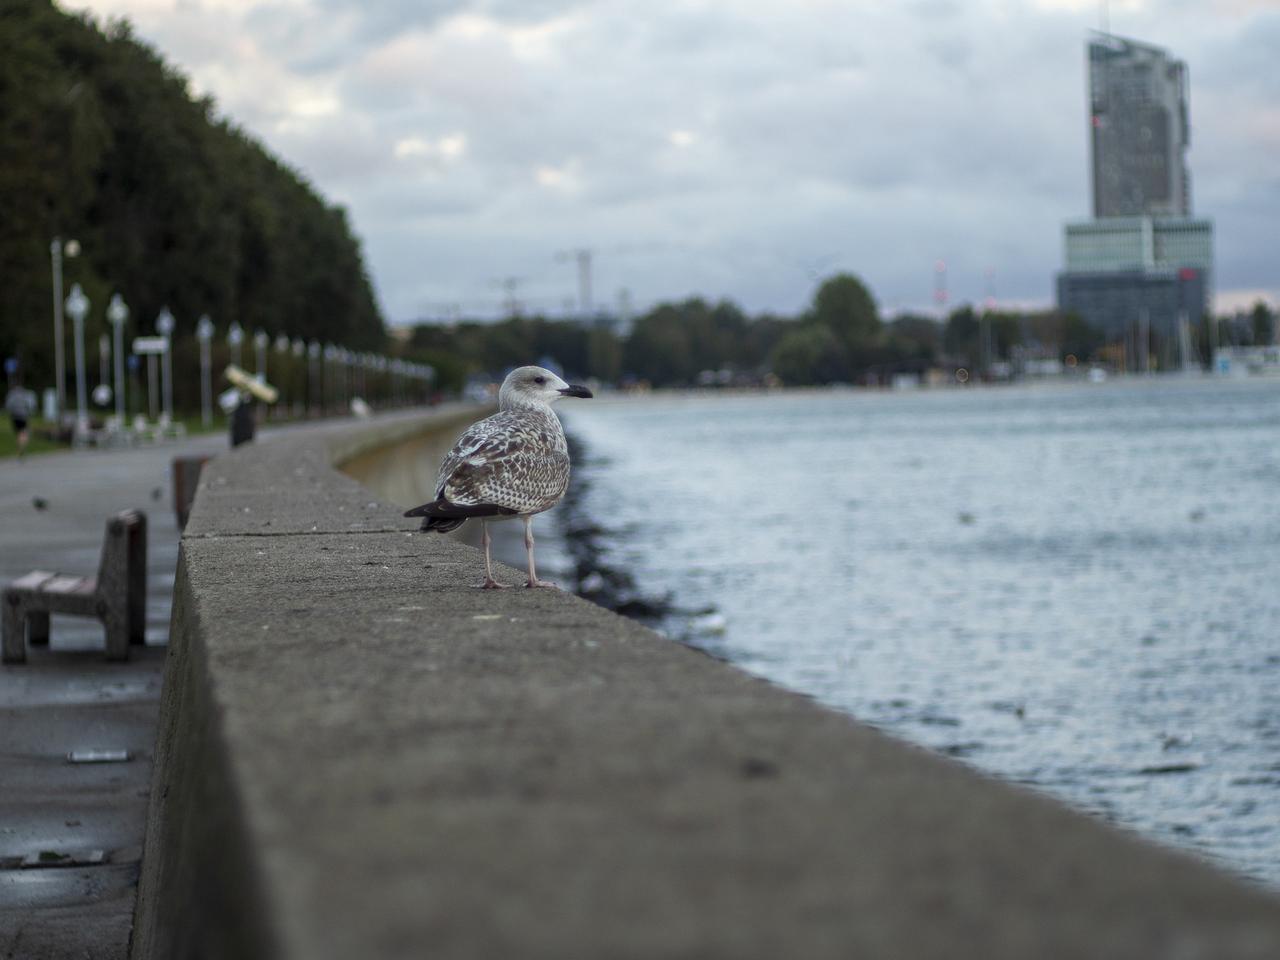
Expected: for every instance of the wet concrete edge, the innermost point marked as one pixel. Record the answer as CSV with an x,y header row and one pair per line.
x,y
200,893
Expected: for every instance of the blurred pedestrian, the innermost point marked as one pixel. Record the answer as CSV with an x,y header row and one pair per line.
x,y
239,402
20,404
243,419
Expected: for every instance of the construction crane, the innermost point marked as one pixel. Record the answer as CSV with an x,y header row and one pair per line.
x,y
511,303
583,257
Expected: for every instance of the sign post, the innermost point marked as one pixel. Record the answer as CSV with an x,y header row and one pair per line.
x,y
151,348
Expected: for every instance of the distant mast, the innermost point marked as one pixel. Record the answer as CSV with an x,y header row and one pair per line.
x,y
940,288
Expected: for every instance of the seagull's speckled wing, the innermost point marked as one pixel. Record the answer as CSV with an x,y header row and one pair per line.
x,y
517,459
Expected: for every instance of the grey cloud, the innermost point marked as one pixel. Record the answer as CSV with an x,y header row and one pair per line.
x,y
1245,59
369,24
935,9
889,135
952,52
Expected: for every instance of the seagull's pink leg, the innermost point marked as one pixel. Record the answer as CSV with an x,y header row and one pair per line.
x,y
489,582
528,546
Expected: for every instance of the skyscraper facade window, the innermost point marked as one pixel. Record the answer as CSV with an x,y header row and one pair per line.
x,y
1140,134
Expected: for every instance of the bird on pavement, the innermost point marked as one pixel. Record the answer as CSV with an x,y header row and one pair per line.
x,y
512,464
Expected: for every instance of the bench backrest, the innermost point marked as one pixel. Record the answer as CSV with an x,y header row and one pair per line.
x,y
123,565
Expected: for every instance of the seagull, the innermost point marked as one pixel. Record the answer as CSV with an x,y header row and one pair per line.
x,y
512,464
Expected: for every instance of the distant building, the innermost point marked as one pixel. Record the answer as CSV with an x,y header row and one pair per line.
x,y
1143,262
1139,243
1138,120
1247,361
1119,301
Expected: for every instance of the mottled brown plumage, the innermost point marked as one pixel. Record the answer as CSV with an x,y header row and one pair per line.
x,y
516,459
514,463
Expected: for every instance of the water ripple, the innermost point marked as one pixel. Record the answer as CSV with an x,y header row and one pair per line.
x,y
1073,588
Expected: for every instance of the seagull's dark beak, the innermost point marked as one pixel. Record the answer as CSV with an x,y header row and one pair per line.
x,y
575,391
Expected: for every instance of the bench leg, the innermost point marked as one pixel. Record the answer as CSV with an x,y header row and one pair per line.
x,y
117,627
13,640
38,627
136,582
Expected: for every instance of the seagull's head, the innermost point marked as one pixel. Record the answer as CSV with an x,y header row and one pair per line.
x,y
535,385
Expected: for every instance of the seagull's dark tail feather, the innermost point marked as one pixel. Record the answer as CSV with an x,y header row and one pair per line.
x,y
442,516
441,525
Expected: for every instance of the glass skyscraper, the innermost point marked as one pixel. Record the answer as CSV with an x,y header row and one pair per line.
x,y
1138,118
1142,268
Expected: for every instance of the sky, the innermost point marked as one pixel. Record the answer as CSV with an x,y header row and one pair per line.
x,y
740,149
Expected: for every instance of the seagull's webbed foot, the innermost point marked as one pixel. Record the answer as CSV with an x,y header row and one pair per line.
x,y
492,584
541,583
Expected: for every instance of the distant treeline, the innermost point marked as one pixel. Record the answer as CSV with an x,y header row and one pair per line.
x,y
104,143
840,338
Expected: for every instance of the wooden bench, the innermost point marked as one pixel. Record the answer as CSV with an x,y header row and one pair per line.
x,y
117,595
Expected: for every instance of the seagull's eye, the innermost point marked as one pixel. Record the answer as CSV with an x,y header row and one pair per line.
x,y
539,379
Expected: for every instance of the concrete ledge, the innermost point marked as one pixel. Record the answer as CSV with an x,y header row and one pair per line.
x,y
362,756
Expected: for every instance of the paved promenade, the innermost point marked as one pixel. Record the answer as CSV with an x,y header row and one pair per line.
x,y
53,510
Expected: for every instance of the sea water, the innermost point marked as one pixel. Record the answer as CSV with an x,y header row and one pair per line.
x,y
1075,587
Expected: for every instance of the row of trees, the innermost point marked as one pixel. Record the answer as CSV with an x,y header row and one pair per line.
x,y
104,143
839,338
175,207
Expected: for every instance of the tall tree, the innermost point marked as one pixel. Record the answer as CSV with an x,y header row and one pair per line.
x,y
811,353
1264,324
659,348
960,336
844,306
171,206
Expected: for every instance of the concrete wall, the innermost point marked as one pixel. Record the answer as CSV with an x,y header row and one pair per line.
x,y
403,469
361,755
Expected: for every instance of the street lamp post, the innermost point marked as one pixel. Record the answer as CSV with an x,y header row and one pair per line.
x,y
235,335
328,389
153,401
260,341
313,375
299,383
56,250
117,314
282,349
104,361
133,363
164,326
204,333
78,306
